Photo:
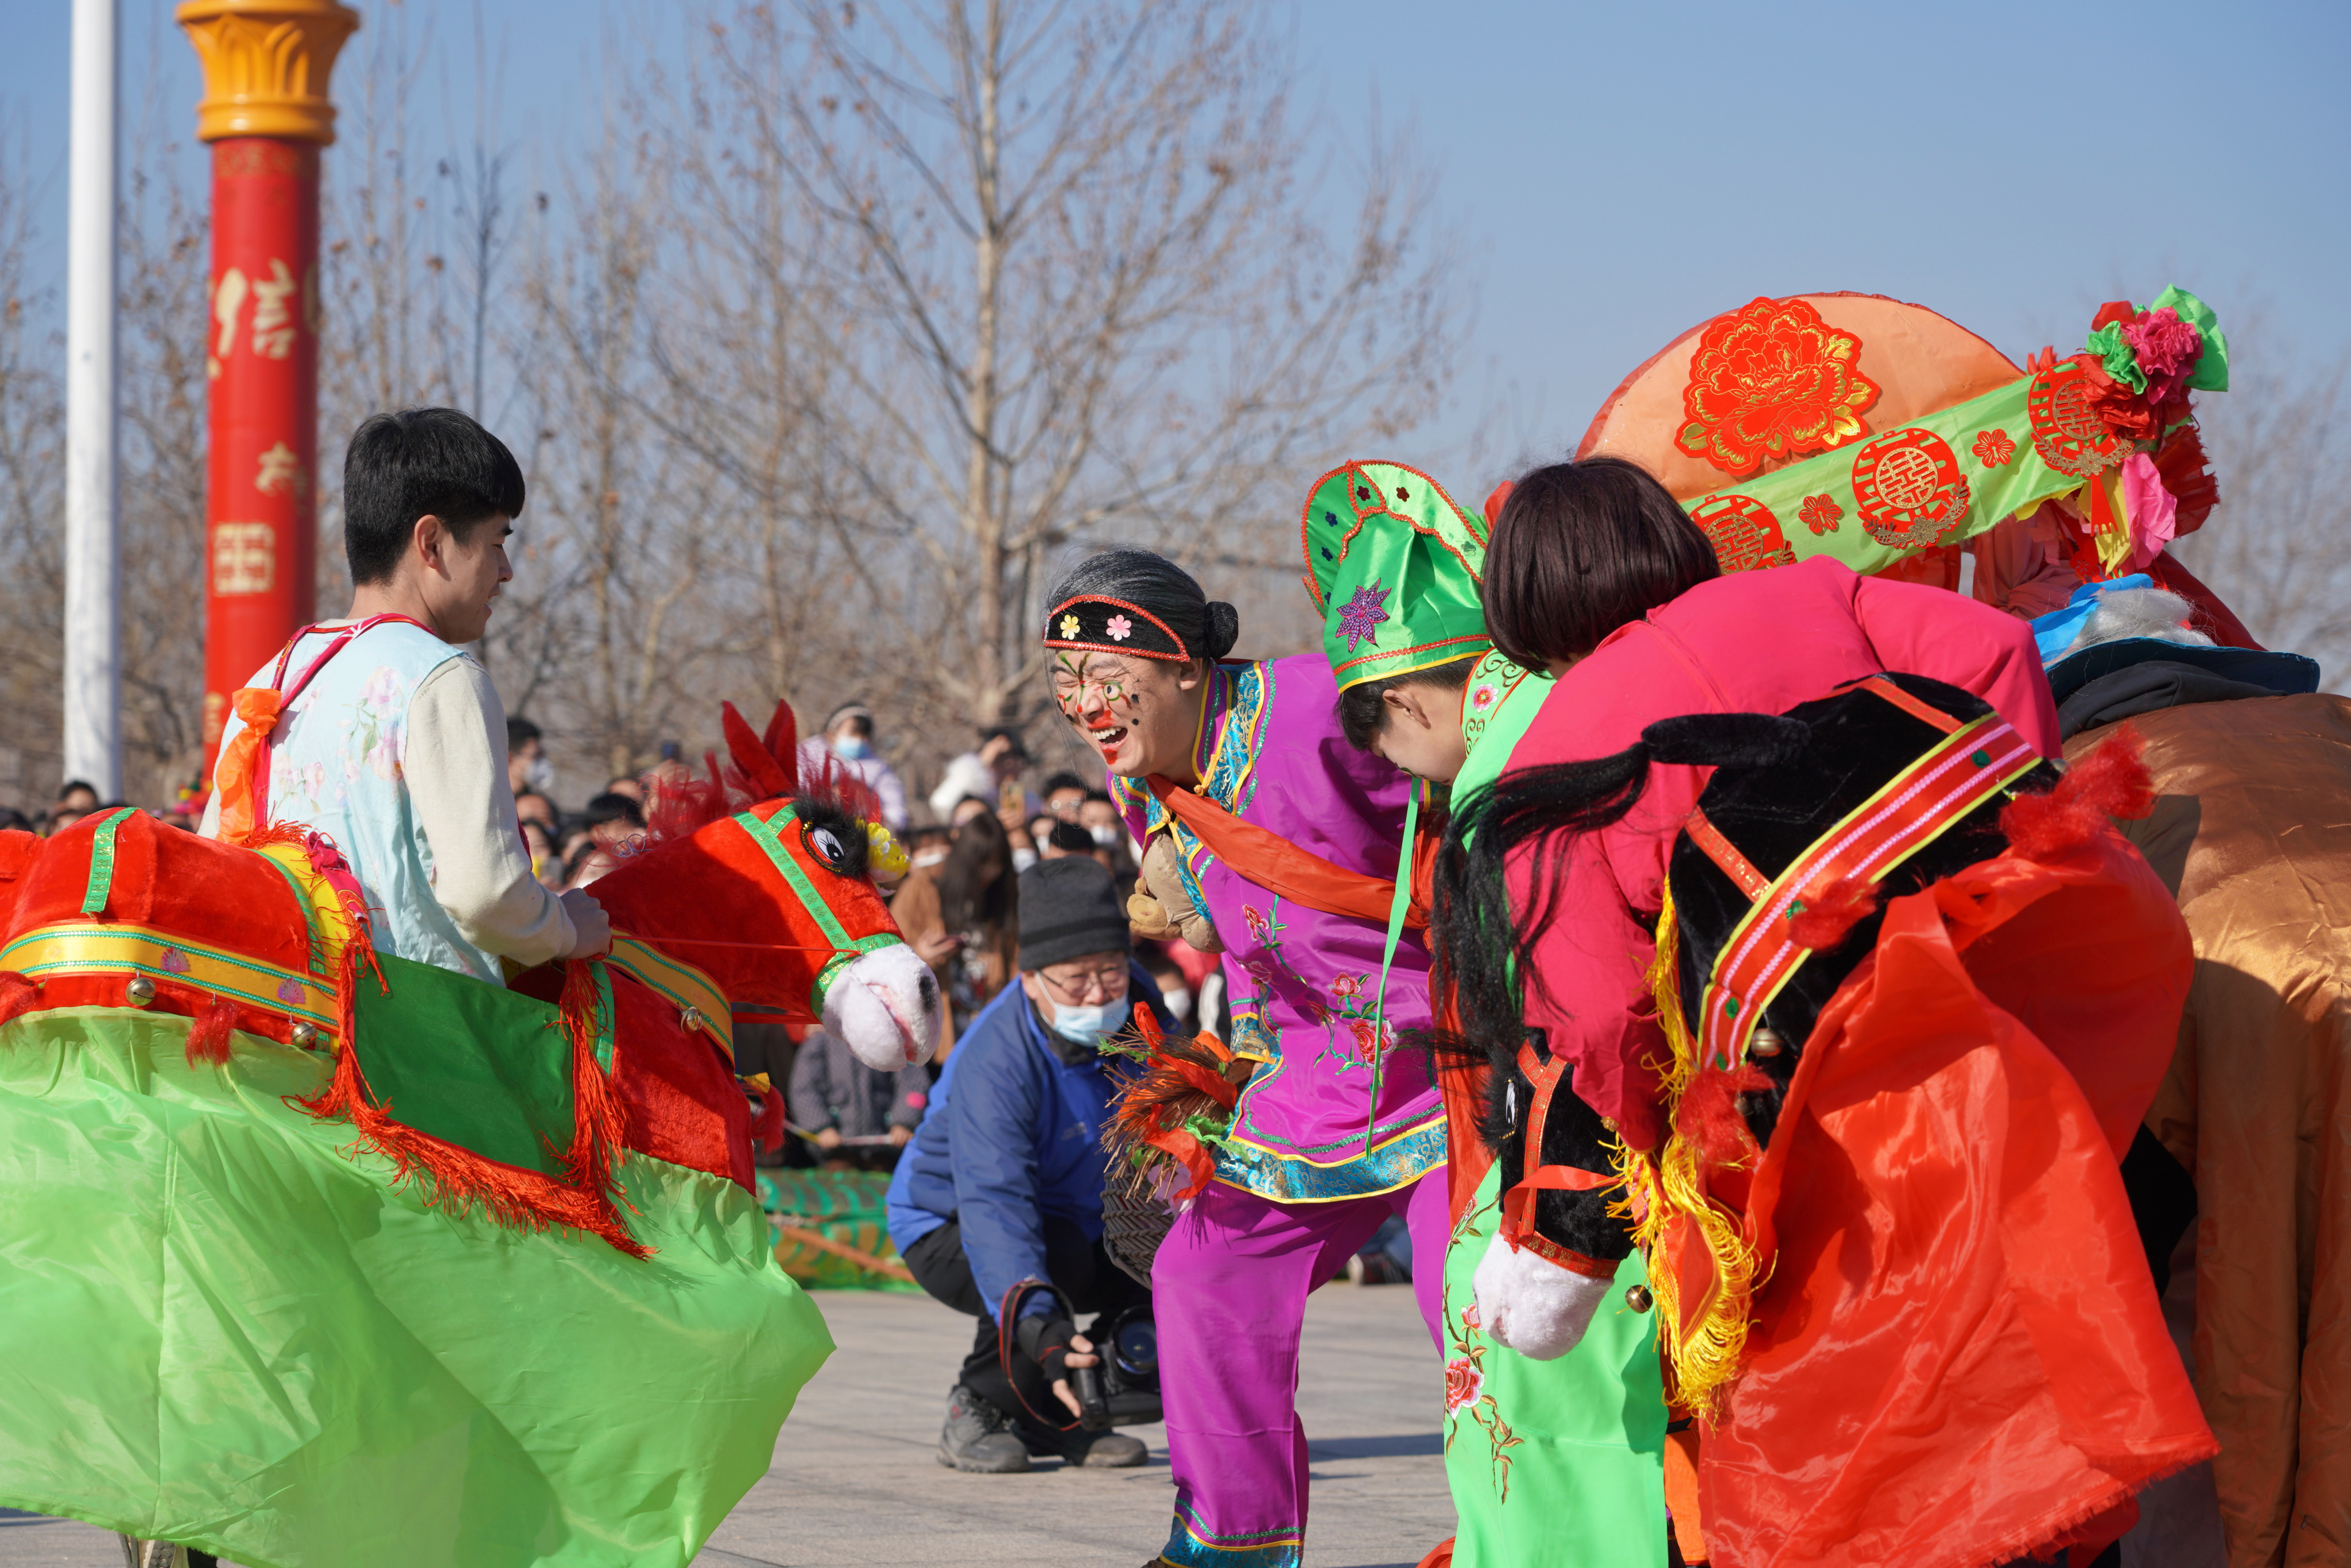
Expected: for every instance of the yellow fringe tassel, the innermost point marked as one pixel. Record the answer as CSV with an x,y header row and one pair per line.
x,y
1702,1362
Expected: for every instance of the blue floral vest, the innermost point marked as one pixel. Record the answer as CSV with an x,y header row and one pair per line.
x,y
335,766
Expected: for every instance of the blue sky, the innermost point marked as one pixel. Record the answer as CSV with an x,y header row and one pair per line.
x,y
1613,175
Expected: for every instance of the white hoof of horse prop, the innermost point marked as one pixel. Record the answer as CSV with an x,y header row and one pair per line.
x,y
884,1008
1530,1304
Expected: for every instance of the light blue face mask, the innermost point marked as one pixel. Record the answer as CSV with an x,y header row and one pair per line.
x,y
855,747
1092,1023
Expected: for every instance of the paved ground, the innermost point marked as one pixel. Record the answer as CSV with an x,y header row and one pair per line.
x,y
855,1480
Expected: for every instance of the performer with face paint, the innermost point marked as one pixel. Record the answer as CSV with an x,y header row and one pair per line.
x,y
1267,836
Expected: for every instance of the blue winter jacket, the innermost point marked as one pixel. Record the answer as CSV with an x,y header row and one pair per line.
x,y
1012,1136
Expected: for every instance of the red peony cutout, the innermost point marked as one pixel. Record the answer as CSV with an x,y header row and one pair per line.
x,y
1772,380
1820,514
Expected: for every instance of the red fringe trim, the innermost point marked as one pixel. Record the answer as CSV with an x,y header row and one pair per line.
x,y
2112,781
460,1180
2180,462
208,1033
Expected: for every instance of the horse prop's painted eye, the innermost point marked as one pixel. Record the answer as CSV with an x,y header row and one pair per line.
x,y
825,844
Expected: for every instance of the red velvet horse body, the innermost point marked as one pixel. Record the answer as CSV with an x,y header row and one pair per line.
x,y
783,923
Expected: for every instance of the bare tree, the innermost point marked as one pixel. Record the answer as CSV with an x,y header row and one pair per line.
x,y
31,499
1061,267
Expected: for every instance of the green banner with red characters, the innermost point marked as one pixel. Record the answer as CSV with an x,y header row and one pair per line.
x,y
1936,480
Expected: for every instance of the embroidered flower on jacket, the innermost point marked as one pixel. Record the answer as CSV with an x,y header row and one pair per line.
x,y
1120,628
1068,626
1346,984
1994,448
1463,1383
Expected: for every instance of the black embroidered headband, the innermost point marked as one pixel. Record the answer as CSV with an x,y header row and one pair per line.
x,y
1111,626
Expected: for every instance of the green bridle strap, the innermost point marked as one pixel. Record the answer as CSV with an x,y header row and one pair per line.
x,y
764,834
847,949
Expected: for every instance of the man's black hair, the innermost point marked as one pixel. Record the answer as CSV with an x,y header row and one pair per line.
x,y
1009,732
70,785
519,729
611,808
1060,781
416,463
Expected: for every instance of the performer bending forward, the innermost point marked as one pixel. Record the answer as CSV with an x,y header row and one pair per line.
x,y
1333,1133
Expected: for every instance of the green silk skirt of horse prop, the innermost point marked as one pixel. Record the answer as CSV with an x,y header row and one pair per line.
x,y
222,1324
1553,1464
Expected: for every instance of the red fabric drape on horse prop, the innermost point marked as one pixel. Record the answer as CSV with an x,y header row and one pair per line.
x,y
1958,1357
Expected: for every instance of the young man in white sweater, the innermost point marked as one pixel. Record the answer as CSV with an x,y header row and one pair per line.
x,y
392,741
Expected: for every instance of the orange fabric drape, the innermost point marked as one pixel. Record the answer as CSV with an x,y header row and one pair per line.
x,y
1300,876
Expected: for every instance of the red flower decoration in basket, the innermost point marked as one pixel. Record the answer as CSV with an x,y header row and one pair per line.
x,y
1772,380
1993,448
1820,514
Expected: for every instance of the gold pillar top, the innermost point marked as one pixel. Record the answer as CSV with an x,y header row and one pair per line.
x,y
265,66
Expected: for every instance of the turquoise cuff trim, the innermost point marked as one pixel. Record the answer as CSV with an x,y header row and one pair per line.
x,y
1288,1178
1257,1549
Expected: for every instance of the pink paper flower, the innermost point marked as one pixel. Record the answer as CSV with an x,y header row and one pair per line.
x,y
1120,628
2167,349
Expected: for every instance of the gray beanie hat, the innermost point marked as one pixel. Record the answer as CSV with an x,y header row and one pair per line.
x,y
1069,908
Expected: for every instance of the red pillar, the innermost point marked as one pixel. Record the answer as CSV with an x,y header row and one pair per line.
x,y
267,114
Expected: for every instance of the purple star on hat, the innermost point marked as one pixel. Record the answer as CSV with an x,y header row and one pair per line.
x,y
1360,617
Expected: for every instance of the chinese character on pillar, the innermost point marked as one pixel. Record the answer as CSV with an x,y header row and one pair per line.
x,y
265,114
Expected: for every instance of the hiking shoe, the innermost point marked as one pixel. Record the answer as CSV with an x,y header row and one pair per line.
x,y
978,1438
1097,1450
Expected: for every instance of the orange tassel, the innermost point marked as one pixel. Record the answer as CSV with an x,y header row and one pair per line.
x,y
1828,919
2112,781
208,1035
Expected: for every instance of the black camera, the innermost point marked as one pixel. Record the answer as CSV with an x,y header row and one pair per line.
x,y
1122,1390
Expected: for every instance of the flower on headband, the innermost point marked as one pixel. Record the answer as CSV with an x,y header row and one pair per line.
x,y
1359,618
1120,628
1069,625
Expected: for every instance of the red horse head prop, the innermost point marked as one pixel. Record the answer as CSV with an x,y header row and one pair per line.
x,y
758,878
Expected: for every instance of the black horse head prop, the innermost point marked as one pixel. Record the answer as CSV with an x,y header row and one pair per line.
x,y
1784,787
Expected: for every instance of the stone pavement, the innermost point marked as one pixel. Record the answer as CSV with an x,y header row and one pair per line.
x,y
856,1480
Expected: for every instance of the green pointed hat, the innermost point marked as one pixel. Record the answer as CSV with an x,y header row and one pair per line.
x,y
1393,565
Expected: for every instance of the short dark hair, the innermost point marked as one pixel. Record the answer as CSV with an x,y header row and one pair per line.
x,y
611,808
1060,781
72,785
1581,548
1011,732
518,729
416,463
1362,714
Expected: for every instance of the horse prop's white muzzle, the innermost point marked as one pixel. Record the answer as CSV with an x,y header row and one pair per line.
x,y
886,1008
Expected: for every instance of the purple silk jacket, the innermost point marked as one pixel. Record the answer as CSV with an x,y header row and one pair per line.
x,y
1300,986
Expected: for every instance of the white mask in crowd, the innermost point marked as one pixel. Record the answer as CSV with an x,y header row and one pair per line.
x,y
1178,999
1091,1023
538,775
1106,837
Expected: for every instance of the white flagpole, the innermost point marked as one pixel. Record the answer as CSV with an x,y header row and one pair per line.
x,y
93,670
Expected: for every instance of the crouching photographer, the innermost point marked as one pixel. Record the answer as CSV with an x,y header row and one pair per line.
x,y
995,1206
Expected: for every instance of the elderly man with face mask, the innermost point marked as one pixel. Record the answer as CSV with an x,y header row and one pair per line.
x,y
1002,1188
